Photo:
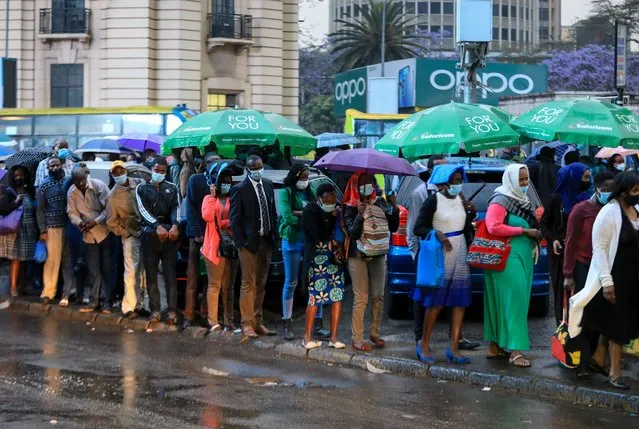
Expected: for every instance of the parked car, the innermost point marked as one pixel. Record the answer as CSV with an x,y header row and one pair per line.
x,y
484,176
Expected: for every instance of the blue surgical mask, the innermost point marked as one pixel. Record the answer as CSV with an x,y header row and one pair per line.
x,y
157,177
225,188
454,190
63,154
524,189
120,180
604,197
366,190
256,174
328,208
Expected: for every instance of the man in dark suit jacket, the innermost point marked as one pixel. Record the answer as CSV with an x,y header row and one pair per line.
x,y
254,226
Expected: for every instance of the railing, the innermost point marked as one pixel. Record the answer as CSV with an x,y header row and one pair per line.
x,y
231,26
65,21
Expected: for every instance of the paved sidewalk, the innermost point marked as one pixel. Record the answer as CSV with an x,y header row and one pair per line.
x,y
545,379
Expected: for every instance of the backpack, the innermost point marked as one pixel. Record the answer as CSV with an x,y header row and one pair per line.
x,y
375,239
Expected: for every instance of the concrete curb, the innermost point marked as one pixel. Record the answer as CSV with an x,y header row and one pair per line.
x,y
533,386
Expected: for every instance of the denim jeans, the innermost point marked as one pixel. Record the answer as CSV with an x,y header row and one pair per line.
x,y
292,255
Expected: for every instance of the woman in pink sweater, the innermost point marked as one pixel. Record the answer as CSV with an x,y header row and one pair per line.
x,y
220,271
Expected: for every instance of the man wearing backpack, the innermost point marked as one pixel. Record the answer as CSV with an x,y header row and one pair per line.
x,y
369,220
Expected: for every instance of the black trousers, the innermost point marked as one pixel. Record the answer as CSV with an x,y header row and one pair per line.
x,y
99,265
588,339
556,268
155,251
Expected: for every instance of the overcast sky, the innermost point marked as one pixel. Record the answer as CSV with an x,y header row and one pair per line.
x,y
315,15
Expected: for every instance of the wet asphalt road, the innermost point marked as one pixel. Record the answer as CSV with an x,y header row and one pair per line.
x,y
62,374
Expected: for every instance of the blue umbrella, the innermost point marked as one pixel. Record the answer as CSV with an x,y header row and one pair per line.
x,y
335,139
560,149
103,146
6,151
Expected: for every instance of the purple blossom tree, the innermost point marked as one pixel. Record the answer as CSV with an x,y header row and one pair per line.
x,y
590,68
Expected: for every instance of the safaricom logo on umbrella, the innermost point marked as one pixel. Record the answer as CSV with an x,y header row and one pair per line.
x,y
191,129
295,130
427,136
481,124
582,126
243,122
628,121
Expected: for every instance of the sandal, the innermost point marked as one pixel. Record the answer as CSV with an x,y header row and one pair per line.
x,y
379,343
362,347
519,361
215,329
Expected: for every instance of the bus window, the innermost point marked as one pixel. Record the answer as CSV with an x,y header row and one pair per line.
x,y
99,125
15,125
58,125
173,122
142,123
51,140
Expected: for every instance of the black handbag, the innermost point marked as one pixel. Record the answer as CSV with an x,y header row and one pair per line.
x,y
227,248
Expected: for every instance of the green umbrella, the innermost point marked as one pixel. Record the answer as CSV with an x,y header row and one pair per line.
x,y
447,129
239,127
581,121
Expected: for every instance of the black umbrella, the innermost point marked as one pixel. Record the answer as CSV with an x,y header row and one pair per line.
x,y
28,158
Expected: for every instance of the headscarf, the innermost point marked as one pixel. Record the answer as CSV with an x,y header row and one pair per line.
x,y
443,172
187,170
510,187
569,185
544,174
351,194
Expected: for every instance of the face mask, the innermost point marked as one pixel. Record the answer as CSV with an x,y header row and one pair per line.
x,y
120,180
621,167
63,154
256,174
19,182
157,177
584,186
302,184
604,197
366,190
225,188
632,200
327,207
524,189
57,175
454,190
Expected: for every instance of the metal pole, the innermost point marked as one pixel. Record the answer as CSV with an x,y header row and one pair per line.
x,y
468,88
383,36
6,29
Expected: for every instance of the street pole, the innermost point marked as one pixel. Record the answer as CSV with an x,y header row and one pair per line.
x,y
383,36
6,29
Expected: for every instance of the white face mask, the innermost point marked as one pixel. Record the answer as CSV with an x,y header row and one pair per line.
x,y
621,167
302,184
327,207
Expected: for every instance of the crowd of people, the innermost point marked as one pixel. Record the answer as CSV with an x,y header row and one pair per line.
x,y
589,221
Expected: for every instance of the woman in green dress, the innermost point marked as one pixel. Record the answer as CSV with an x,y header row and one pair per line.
x,y
507,293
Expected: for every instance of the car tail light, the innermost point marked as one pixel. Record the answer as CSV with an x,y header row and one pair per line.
x,y
399,237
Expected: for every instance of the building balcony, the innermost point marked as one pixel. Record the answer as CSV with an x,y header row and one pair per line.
x,y
65,24
230,29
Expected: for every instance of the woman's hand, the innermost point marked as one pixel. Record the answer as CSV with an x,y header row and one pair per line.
x,y
448,247
213,190
533,233
609,294
569,285
557,247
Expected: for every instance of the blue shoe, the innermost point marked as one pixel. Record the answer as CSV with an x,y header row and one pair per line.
x,y
421,357
457,360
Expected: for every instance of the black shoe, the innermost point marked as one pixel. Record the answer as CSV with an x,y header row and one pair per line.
x,y
155,317
320,332
142,312
46,301
465,344
130,315
597,369
288,333
618,383
185,324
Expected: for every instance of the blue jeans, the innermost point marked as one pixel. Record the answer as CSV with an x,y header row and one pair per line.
x,y
292,255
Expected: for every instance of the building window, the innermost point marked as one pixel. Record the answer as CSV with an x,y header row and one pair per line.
x,y
67,85
448,31
348,11
504,10
436,29
513,35
435,8
356,11
422,28
513,11
364,9
341,11
527,13
495,9
336,13
422,7
543,14
495,33
448,8
521,35
504,34
221,101
410,8
543,33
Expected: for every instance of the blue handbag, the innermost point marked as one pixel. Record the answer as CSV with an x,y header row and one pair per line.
x,y
40,254
430,262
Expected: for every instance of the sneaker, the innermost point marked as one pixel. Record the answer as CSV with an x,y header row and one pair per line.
x,y
85,301
4,304
64,302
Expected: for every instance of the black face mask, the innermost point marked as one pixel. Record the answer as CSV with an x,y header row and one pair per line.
x,y
57,175
631,200
584,186
19,183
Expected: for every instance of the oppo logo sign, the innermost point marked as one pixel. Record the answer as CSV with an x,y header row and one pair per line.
x,y
347,90
520,84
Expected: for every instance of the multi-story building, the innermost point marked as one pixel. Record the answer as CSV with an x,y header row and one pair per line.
x,y
209,54
517,24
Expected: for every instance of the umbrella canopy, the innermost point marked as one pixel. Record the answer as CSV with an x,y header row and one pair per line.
x,y
607,152
581,121
239,127
369,160
141,142
447,129
335,139
28,158
103,146
6,152
560,149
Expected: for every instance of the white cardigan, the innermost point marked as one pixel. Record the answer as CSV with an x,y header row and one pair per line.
x,y
605,239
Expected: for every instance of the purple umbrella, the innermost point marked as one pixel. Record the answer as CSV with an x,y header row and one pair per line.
x,y
369,160
141,141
